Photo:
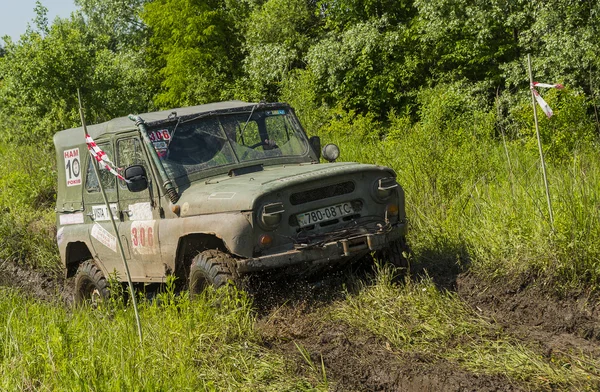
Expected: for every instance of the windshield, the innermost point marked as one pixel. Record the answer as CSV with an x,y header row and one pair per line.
x,y
192,146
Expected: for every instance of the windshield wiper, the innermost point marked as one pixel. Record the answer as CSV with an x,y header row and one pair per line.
x,y
246,124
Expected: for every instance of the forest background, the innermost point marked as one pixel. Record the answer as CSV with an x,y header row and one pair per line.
x,y
436,89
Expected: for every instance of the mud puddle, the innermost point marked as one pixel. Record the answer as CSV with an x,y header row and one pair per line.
x,y
568,325
35,283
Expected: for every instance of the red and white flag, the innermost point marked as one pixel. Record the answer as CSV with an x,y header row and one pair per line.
x,y
101,157
540,100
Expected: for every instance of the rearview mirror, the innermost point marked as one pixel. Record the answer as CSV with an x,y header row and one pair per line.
x,y
138,180
315,143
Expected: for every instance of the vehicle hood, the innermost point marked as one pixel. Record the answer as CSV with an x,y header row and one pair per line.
x,y
240,193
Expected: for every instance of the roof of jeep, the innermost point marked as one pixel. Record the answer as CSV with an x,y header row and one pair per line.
x,y
74,136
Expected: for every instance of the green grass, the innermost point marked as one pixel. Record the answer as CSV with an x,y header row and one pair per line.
x,y
204,345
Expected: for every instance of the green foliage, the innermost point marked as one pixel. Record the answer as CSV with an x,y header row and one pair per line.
x,y
119,19
340,14
561,35
469,39
368,67
194,50
278,35
570,128
40,76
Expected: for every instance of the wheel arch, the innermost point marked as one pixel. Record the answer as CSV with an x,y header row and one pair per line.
x,y
76,253
190,245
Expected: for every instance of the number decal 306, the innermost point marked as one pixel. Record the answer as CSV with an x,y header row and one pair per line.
x,y
142,236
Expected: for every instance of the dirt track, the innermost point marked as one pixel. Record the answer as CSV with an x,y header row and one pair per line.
x,y
359,361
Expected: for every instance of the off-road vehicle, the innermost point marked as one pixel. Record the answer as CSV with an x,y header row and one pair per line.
x,y
215,192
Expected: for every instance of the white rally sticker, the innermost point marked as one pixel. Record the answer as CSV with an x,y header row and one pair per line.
x,y
140,211
71,219
72,167
143,240
60,235
101,212
104,237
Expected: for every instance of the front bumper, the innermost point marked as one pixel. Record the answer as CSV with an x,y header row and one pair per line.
x,y
329,252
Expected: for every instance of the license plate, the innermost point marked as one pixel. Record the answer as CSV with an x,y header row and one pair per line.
x,y
324,214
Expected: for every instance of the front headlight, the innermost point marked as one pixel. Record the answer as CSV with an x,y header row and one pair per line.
x,y
383,188
270,215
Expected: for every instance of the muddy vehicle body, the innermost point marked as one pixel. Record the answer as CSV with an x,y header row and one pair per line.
x,y
218,191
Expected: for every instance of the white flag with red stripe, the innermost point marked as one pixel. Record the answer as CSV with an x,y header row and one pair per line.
x,y
101,157
539,98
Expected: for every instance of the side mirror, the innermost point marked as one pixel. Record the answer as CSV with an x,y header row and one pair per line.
x,y
315,144
136,174
331,152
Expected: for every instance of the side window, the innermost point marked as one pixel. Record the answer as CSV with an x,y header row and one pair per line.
x,y
107,178
129,152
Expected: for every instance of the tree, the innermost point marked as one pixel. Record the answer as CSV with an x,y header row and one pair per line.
x,y
120,19
278,36
194,51
41,74
369,67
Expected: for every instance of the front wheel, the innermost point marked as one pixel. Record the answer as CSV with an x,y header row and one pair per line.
x,y
395,253
211,268
90,284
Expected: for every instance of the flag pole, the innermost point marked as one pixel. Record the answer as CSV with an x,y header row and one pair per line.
x,y
114,225
539,140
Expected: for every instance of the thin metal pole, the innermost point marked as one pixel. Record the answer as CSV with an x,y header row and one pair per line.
x,y
510,170
539,140
114,225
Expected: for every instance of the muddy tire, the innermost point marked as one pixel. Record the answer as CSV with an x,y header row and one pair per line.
x,y
394,253
211,268
90,284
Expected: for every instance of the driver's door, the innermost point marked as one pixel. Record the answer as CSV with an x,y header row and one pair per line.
x,y
140,215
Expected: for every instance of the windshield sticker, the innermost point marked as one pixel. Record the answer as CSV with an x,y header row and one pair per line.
x,y
160,141
71,219
140,211
156,136
275,112
72,167
104,237
100,213
142,237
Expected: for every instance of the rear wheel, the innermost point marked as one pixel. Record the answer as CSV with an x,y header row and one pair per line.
x,y
211,268
90,284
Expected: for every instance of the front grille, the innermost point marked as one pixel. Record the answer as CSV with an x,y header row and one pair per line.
x,y
322,193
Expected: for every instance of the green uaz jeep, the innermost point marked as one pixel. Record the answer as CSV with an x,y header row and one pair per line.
x,y
216,192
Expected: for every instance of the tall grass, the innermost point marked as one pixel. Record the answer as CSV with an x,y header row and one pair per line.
x,y
473,200
207,344
27,201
